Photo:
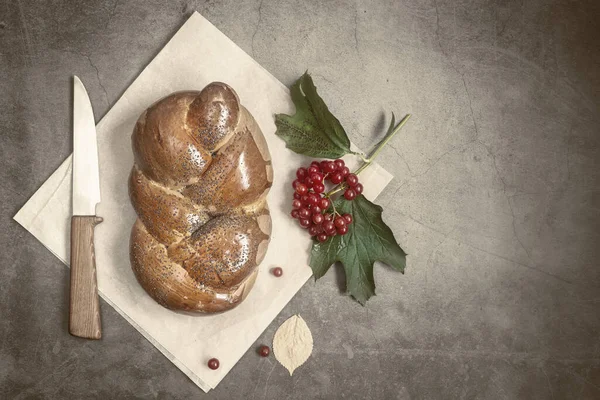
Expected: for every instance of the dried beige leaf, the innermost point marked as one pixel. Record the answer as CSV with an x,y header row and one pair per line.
x,y
293,343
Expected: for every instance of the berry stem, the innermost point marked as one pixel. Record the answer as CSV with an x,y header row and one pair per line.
x,y
382,144
361,155
336,189
333,206
374,154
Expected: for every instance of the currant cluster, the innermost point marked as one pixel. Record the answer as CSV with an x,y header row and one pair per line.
x,y
310,206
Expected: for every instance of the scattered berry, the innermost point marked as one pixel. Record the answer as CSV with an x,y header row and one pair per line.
x,y
213,363
264,351
277,271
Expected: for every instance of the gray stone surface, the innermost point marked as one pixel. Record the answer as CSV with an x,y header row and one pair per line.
x,y
496,196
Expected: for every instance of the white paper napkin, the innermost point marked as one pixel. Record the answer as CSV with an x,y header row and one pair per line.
x,y
197,55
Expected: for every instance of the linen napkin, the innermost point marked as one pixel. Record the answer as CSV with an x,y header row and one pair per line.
x,y
196,55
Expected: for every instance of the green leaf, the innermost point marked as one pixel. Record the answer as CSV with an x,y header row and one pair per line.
x,y
313,130
368,240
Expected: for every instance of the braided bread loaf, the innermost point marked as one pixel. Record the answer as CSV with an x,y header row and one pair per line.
x,y
199,183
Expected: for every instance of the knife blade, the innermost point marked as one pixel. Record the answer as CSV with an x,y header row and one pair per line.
x,y
84,309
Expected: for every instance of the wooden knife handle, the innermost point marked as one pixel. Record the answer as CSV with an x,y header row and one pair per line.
x,y
84,313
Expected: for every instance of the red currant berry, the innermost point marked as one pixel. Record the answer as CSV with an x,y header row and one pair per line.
x,y
328,217
329,168
213,363
351,179
322,165
339,222
277,271
304,199
336,178
295,183
309,182
313,199
331,233
315,164
264,351
358,188
350,194
318,218
301,189
342,230
295,214
316,210
339,164
304,213
322,237
297,195
296,203
314,230
317,177
324,203
305,223
313,170
301,173
348,218
328,226
319,187
345,171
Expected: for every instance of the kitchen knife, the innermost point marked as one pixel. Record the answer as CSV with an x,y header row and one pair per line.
x,y
84,312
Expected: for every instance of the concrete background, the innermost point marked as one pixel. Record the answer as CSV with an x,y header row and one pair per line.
x,y
496,196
